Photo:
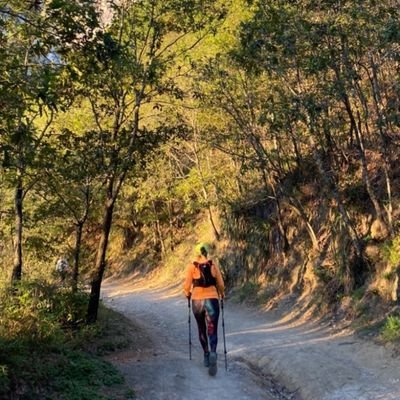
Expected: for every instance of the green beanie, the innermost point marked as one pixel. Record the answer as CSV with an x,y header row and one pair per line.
x,y
200,246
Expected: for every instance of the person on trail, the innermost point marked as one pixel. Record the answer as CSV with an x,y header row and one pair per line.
x,y
204,286
62,268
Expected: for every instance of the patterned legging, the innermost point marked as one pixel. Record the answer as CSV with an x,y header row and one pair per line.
x,y
206,313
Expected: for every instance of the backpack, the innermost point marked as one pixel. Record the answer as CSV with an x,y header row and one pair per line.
x,y
206,279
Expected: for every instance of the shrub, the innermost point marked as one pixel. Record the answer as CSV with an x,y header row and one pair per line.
x,y
358,293
37,311
4,380
43,342
391,251
391,329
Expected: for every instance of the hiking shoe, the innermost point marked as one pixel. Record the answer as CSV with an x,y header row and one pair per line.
x,y
207,359
212,369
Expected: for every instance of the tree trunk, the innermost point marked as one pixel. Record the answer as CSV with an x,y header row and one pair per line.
x,y
296,150
365,174
268,182
204,189
383,131
330,184
210,214
160,237
357,128
130,235
171,221
211,219
18,201
100,261
78,241
266,165
113,188
298,209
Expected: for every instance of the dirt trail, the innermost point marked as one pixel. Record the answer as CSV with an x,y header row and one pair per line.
x,y
311,361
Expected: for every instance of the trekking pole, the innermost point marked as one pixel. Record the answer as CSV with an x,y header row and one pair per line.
x,y
223,332
190,332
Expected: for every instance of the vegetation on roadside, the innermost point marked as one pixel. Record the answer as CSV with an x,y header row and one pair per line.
x,y
47,352
391,329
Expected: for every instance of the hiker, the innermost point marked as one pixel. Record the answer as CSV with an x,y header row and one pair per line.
x,y
204,286
62,267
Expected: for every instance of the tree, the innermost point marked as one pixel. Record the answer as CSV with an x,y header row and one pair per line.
x,y
127,69
71,184
34,85
328,63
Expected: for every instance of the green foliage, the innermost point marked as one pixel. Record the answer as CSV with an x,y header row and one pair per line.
x,y
391,329
76,370
37,311
4,379
54,372
42,343
358,293
391,251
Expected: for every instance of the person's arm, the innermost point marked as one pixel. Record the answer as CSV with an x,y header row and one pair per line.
x,y
187,286
220,281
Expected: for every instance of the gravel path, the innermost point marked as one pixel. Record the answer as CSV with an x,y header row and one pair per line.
x,y
309,360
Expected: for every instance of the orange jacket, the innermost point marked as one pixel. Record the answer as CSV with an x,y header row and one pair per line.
x,y
198,292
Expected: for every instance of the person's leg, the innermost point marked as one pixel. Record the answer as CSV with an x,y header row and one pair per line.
x,y
199,313
212,316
